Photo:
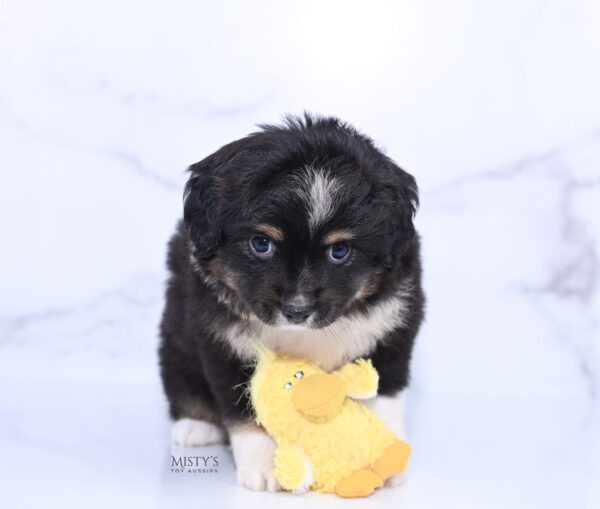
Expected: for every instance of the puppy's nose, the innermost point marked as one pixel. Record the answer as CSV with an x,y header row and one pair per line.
x,y
297,313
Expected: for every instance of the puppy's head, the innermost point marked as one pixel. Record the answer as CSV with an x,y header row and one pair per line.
x,y
299,223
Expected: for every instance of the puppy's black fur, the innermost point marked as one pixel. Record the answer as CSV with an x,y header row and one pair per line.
x,y
218,283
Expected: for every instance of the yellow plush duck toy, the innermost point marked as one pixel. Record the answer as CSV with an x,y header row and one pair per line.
x,y
326,440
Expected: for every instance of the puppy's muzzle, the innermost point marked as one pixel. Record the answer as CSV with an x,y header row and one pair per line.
x,y
297,314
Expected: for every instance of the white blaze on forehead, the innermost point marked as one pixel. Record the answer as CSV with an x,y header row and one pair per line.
x,y
318,191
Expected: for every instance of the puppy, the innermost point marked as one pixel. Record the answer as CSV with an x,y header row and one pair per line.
x,y
299,237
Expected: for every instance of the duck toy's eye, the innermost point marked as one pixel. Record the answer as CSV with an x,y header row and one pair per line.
x,y
300,374
287,386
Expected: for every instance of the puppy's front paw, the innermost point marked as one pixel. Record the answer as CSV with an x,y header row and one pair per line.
x,y
194,433
254,455
396,480
257,479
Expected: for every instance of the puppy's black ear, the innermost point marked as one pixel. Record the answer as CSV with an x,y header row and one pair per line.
x,y
403,200
200,209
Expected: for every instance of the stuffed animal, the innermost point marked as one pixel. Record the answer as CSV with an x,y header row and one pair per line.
x,y
326,440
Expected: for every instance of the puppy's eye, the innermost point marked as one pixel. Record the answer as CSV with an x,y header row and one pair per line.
x,y
287,386
299,374
338,253
262,246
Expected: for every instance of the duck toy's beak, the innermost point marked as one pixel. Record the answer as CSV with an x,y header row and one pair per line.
x,y
318,395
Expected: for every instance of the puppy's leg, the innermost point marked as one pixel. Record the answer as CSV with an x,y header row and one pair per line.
x,y
197,420
254,455
390,409
188,432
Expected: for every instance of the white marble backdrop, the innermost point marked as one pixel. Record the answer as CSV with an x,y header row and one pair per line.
x,y
493,106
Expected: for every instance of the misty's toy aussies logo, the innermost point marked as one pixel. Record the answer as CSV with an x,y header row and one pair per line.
x,y
195,464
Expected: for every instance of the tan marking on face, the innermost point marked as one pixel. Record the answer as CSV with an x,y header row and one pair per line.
x,y
229,279
337,236
272,231
369,287
212,266
215,268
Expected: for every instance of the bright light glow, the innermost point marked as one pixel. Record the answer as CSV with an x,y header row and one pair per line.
x,y
350,35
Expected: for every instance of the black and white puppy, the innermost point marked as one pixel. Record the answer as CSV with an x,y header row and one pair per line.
x,y
299,237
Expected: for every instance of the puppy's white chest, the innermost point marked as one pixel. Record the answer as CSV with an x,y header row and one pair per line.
x,y
330,347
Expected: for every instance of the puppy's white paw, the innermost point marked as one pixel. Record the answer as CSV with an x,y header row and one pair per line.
x,y
254,455
258,480
194,433
396,480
